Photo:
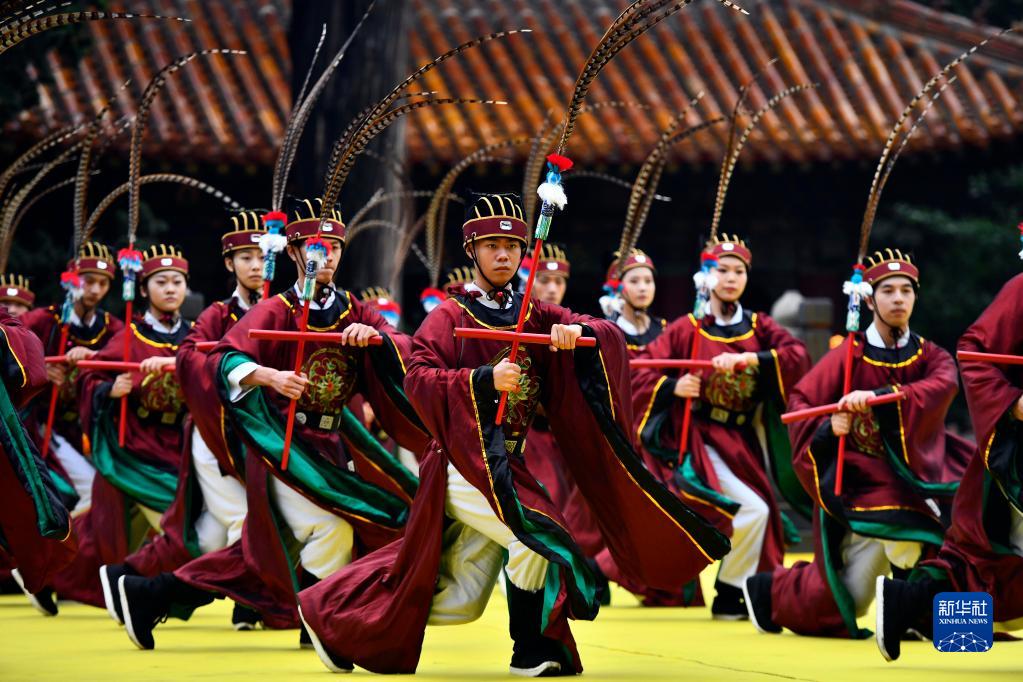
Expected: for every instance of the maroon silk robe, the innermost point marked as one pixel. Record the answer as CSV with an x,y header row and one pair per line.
x,y
45,322
976,555
897,456
35,528
143,472
724,418
257,571
374,612
195,370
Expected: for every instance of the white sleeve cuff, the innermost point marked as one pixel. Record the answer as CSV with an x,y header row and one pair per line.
x,y
235,390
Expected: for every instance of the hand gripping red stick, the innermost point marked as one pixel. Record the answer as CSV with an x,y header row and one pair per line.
x,y
673,364
130,262
316,251
54,394
832,408
293,405
519,338
846,387
323,337
115,366
553,196
687,411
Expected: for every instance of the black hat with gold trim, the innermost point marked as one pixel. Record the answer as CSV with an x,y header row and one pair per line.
x,y
890,263
161,257
246,231
305,222
494,215
94,258
15,289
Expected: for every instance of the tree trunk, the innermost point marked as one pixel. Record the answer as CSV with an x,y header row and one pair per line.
x,y
376,61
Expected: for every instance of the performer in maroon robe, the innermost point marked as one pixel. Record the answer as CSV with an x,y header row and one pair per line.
x,y
478,507
629,293
898,458
342,494
90,330
983,548
542,452
209,503
36,539
736,412
140,478
16,294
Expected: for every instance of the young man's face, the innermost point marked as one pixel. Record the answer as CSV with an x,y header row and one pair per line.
x,y
325,275
247,266
638,287
732,278
15,308
166,291
94,289
497,258
550,287
893,300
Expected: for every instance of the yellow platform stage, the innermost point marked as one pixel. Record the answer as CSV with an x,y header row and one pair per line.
x,y
626,642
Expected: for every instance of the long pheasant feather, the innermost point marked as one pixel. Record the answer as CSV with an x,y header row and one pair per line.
x,y
138,130
302,112
24,29
883,169
733,158
173,178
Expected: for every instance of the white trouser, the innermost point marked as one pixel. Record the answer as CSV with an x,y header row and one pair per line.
x,y
408,458
326,538
79,470
866,558
748,526
526,569
1016,530
223,500
469,565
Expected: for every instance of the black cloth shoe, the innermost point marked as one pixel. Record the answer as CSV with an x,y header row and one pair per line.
x,y
756,591
43,600
334,664
533,655
143,605
901,605
147,601
728,603
109,575
243,618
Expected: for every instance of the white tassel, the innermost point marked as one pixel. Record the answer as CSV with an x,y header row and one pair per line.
x,y
705,280
611,305
861,289
552,193
272,243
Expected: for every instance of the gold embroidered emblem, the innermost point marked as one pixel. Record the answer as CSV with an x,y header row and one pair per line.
x,y
161,393
522,404
732,390
332,374
866,434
